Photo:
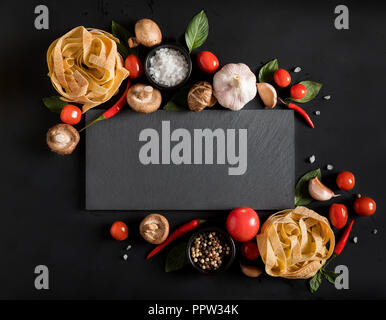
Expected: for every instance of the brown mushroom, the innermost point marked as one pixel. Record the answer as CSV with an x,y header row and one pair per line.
x,y
201,96
62,138
154,228
147,33
143,98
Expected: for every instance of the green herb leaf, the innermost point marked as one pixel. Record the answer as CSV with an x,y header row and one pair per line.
x,y
54,103
176,258
313,89
302,197
179,101
267,71
197,31
329,275
315,282
123,35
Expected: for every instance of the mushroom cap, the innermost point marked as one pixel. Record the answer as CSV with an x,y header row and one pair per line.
x,y
200,96
62,138
154,228
147,32
143,98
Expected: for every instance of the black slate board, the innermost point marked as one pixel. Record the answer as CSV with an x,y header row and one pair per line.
x,y
117,180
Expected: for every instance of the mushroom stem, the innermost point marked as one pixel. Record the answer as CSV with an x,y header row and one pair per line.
x,y
146,93
133,42
236,81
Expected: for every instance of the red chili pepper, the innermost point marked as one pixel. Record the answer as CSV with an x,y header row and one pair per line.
x,y
113,110
302,113
342,241
176,234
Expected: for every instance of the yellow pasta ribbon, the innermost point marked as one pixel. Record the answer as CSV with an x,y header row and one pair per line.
x,y
85,66
295,243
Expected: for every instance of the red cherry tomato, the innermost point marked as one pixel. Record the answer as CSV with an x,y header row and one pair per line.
x,y
345,180
282,78
70,114
298,91
249,250
243,224
338,215
134,65
365,206
207,61
119,230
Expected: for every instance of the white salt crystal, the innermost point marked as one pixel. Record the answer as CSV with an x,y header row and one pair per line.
x,y
168,67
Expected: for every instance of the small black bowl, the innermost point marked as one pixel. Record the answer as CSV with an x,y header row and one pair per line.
x,y
229,260
171,46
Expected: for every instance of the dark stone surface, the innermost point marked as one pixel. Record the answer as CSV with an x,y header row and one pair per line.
x,y
117,180
42,194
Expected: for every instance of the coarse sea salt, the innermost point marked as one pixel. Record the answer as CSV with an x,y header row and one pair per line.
x,y
168,67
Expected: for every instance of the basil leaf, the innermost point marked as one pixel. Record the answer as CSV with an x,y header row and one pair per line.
x,y
313,89
176,258
329,275
266,72
179,101
171,106
302,197
315,282
123,35
54,103
197,31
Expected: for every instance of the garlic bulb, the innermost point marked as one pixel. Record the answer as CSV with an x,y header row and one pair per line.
x,y
234,86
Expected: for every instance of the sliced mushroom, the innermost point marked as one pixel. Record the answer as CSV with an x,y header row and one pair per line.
x,y
62,138
154,228
143,98
267,94
147,33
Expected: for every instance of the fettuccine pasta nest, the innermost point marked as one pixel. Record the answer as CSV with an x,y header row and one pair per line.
x,y
295,243
85,66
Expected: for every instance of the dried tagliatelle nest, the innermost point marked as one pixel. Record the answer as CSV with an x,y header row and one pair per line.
x,y
295,243
85,66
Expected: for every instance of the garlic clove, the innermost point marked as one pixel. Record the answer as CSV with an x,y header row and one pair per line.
x,y
267,94
319,191
250,270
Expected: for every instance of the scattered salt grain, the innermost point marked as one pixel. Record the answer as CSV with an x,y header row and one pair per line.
x,y
317,113
312,159
329,167
375,231
327,97
355,240
168,67
128,247
125,256
297,69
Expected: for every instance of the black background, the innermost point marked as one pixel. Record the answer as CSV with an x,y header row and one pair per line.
x,y
42,194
